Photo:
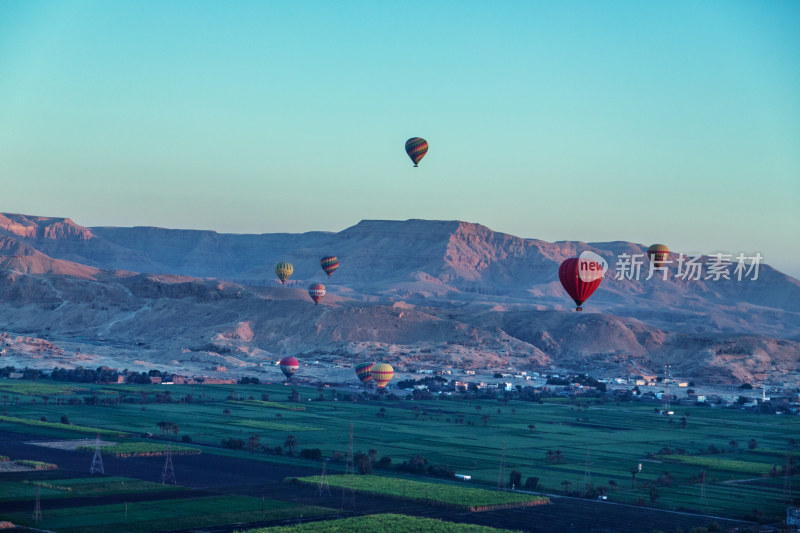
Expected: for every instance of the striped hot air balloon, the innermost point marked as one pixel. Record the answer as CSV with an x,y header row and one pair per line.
x,y
416,148
658,254
283,271
364,372
329,264
316,291
382,373
289,366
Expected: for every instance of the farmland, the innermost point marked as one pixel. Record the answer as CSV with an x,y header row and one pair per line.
x,y
560,447
387,523
449,495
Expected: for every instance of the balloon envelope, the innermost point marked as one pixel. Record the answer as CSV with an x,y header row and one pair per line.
x,y
283,271
316,291
578,289
658,254
289,366
382,373
416,148
329,264
364,372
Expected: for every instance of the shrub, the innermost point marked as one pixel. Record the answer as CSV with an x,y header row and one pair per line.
x,y
531,483
311,453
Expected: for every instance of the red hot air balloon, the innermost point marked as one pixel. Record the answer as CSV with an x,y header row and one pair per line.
x,y
329,264
316,291
578,289
416,148
289,366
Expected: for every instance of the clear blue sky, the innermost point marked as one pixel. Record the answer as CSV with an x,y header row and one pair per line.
x,y
674,122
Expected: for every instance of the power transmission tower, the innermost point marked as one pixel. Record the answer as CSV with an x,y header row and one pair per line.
x,y
501,474
349,495
168,475
787,479
323,487
587,472
667,379
703,500
97,460
37,508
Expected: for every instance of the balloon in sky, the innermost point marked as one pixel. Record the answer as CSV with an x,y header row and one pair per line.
x,y
316,291
578,286
283,271
658,254
382,373
329,264
364,372
289,366
416,147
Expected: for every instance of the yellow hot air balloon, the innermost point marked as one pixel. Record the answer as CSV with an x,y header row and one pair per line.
x,y
283,271
658,254
382,374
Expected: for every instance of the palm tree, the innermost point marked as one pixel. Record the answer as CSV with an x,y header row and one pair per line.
x,y
226,412
253,442
531,427
634,471
290,443
566,484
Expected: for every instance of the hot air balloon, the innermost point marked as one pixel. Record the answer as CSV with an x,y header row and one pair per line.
x,y
283,271
363,371
329,264
289,366
658,254
578,289
416,147
382,373
316,291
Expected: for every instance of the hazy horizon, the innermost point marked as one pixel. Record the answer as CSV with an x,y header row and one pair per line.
x,y
581,121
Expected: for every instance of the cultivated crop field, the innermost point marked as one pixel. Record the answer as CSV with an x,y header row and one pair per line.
x,y
386,523
446,494
165,515
577,448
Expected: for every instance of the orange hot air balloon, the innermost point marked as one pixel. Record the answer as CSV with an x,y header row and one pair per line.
x,y
658,254
416,148
382,373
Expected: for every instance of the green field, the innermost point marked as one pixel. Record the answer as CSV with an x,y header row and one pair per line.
x,y
444,494
77,487
165,515
133,449
385,523
598,442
